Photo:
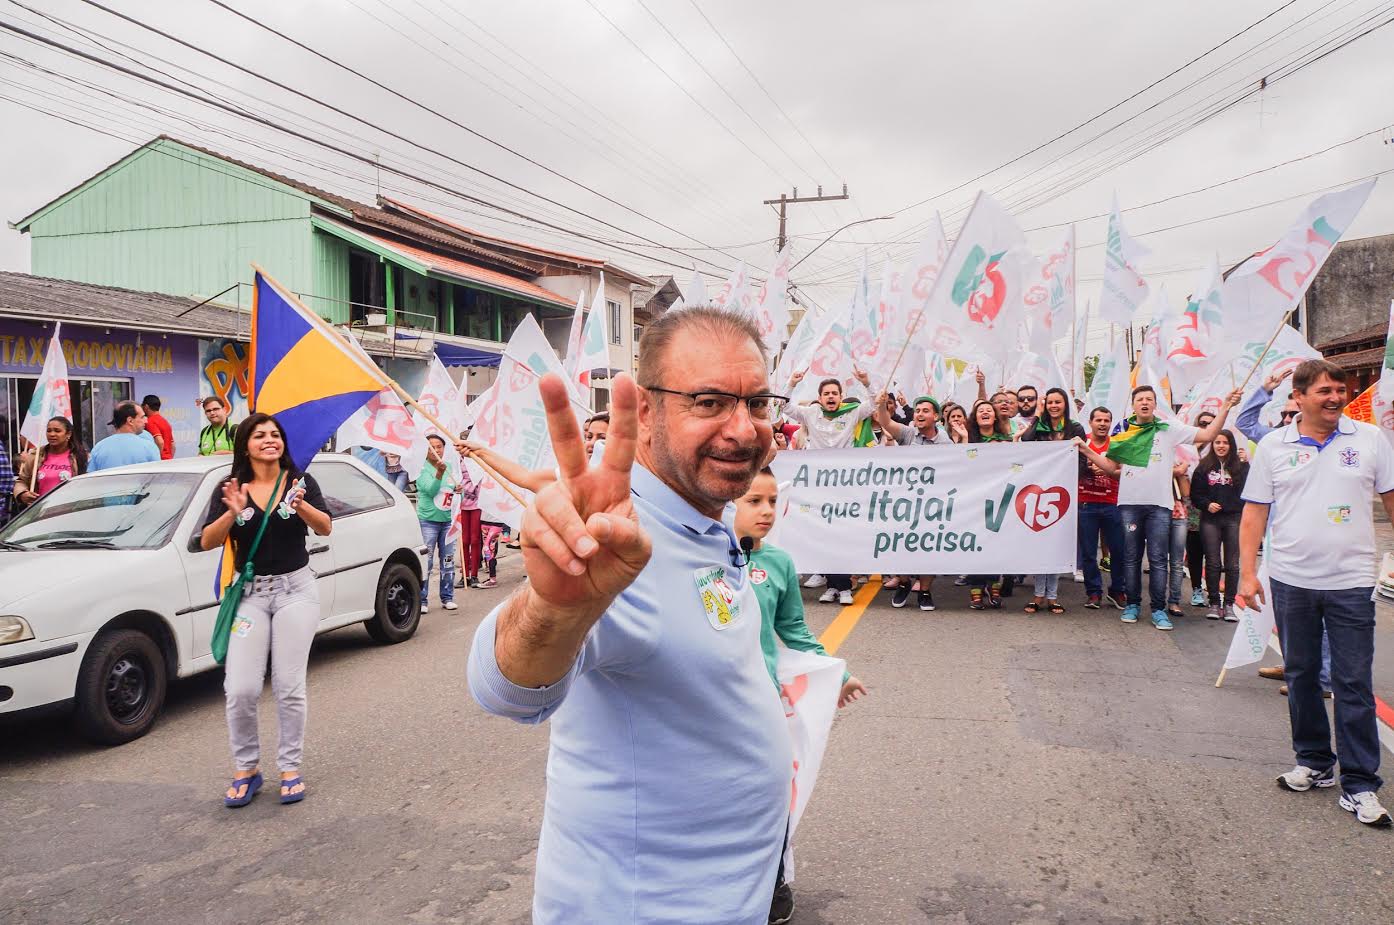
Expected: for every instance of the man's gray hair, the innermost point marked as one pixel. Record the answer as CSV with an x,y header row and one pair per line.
x,y
706,321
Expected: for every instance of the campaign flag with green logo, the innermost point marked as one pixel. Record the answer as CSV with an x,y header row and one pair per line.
x,y
51,396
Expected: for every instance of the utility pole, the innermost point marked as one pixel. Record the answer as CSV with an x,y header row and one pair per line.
x,y
785,201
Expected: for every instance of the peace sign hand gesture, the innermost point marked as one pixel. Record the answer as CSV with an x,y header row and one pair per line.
x,y
582,543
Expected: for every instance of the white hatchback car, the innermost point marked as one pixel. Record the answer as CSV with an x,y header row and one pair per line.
x,y
105,595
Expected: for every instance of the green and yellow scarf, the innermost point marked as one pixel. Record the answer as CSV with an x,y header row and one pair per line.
x,y
1133,447
863,435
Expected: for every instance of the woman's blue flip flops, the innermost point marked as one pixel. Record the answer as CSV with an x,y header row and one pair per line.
x,y
253,785
292,797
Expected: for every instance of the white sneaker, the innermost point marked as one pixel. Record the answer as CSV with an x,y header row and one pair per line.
x,y
1302,778
815,581
828,597
844,598
1079,576
1366,807
450,605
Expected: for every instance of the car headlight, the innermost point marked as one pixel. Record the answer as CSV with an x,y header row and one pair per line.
x,y
14,629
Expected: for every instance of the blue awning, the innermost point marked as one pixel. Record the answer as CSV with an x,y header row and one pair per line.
x,y
455,355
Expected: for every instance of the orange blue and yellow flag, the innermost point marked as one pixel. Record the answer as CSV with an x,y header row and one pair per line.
x,y
303,371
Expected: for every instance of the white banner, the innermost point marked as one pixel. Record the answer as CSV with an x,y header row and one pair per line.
x,y
1254,627
941,510
808,685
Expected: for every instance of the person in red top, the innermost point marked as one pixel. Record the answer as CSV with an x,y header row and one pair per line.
x,y
1098,513
158,427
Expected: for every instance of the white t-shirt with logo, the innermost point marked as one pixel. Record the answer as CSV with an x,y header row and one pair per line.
x,y
1151,484
1320,519
825,433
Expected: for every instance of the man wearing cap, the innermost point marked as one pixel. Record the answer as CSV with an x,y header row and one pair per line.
x,y
923,430
129,445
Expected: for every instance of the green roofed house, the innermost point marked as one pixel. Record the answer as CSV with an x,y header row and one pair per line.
x,y
175,218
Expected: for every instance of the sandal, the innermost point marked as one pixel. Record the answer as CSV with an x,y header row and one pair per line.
x,y
1055,607
488,583
253,784
292,797
1032,607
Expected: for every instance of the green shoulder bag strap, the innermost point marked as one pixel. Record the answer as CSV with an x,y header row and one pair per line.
x,y
232,597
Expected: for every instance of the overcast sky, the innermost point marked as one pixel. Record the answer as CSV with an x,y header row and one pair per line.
x,y
903,101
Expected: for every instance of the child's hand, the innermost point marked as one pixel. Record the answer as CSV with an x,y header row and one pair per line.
x,y
851,690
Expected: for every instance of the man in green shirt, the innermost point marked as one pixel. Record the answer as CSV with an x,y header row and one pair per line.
x,y
776,585
435,504
217,437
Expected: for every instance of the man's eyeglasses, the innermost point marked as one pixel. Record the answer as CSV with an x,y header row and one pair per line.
x,y
718,406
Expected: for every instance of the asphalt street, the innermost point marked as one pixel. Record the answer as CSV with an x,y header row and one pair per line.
x,y
1004,769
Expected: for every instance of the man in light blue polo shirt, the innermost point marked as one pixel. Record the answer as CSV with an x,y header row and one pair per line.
x,y
1309,485
638,635
129,445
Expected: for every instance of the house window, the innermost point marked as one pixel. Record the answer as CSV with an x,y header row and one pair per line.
x,y
616,322
367,284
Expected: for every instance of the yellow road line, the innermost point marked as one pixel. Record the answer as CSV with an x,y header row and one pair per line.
x,y
841,627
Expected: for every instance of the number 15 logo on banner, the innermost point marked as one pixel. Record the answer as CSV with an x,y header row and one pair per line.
x,y
1040,508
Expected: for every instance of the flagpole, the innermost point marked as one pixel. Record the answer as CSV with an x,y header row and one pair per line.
x,y
489,470
1267,347
910,332
1221,679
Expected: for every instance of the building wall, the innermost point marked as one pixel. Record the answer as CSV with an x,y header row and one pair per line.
x,y
330,277
1353,289
616,290
176,221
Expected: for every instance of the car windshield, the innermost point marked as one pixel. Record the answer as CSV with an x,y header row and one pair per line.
x,y
135,510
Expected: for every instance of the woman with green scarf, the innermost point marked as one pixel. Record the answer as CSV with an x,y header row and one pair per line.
x,y
1053,423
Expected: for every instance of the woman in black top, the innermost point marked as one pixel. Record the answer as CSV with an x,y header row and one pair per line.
x,y
1217,487
1054,422
279,611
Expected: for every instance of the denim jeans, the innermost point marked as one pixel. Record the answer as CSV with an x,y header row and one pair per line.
x,y
1145,525
433,535
1096,517
1177,555
1047,586
1348,616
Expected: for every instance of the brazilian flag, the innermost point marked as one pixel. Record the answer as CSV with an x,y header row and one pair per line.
x,y
1133,447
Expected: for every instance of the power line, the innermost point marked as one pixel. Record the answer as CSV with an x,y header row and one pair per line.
x,y
390,133
76,52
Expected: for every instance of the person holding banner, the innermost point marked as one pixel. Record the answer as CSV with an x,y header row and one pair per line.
x,y
924,430
1054,423
638,635
831,424
1309,489
1142,458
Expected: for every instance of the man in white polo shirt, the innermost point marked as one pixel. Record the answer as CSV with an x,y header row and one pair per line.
x,y
1309,485
1142,458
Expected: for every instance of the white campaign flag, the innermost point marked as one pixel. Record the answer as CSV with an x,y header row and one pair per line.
x,y
1111,386
385,424
512,420
1050,294
1382,399
906,332
1195,346
830,358
441,398
1124,288
1076,369
1264,288
696,292
1288,350
573,336
735,293
51,395
771,306
809,685
595,351
799,349
1255,626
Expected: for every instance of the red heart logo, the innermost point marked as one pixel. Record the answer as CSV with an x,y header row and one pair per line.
x,y
1040,508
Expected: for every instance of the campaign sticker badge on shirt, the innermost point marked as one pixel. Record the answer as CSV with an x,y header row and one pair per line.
x,y
718,599
242,627
758,575
1338,513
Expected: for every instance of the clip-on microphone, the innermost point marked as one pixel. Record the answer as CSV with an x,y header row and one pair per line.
x,y
747,544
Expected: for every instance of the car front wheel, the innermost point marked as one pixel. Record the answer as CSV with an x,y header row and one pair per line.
x,y
120,687
397,611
